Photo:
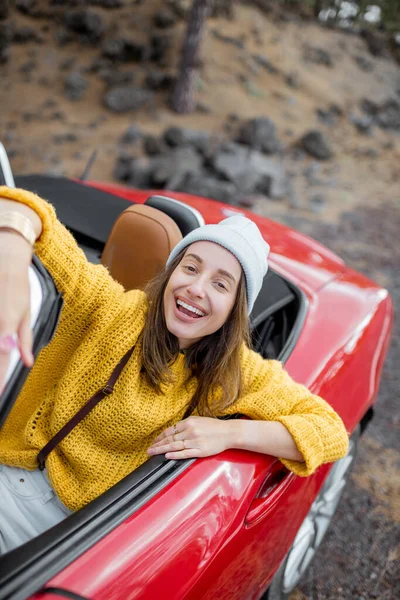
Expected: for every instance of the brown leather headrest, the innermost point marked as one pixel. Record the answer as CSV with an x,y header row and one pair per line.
x,y
139,244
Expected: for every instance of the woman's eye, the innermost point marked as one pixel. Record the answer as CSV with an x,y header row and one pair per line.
x,y
190,268
221,285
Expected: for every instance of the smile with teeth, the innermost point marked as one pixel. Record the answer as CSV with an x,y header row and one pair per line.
x,y
190,308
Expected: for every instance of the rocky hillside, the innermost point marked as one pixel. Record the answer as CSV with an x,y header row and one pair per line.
x,y
289,113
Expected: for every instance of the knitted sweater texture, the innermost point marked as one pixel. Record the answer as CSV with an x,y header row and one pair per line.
x,y
99,323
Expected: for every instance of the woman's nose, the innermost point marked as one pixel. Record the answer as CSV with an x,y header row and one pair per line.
x,y
196,288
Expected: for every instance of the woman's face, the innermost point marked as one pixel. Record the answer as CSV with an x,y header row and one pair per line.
x,y
201,292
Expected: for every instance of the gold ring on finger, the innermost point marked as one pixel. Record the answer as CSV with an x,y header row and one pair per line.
x,y
175,429
184,444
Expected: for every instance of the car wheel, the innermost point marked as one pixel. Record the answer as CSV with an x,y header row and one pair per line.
x,y
314,526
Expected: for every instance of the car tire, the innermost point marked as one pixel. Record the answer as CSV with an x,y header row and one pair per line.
x,y
314,526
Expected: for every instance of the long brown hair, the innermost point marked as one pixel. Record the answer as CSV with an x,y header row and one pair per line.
x,y
214,360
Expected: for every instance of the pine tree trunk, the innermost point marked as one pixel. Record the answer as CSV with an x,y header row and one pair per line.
x,y
318,6
183,99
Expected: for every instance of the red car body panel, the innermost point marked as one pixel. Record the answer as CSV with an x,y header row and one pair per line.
x,y
221,529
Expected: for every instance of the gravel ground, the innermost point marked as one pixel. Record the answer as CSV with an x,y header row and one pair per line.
x,y
367,521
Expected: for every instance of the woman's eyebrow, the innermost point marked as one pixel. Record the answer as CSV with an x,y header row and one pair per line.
x,y
227,274
200,260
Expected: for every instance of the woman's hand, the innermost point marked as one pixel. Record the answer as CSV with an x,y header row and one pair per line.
x,y
195,437
15,258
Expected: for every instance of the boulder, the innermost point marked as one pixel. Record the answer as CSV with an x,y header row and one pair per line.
x,y
135,172
170,169
25,6
363,63
157,80
132,135
362,124
179,136
328,116
389,115
165,18
153,145
202,184
315,143
159,46
318,56
260,134
75,85
26,34
124,49
250,170
115,78
85,22
386,115
126,98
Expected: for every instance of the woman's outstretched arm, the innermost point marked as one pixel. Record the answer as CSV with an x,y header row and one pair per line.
x,y
85,287
203,436
288,422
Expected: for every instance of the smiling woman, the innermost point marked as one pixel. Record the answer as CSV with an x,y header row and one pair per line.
x,y
200,294
185,347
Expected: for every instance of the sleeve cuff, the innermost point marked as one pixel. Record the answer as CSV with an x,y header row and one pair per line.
x,y
42,208
308,442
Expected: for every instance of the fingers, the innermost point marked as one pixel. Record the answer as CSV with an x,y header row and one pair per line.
x,y
172,432
191,453
4,358
169,446
25,341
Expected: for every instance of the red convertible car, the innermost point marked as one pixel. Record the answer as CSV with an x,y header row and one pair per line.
x,y
235,526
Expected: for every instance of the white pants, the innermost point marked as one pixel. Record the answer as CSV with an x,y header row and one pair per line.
x,y
28,506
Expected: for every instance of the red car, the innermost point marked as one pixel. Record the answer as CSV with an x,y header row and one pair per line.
x,y
237,525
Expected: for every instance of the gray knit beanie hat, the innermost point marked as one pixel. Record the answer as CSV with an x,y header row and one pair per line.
x,y
242,237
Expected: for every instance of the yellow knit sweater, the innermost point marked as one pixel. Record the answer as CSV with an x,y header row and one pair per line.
x,y
99,323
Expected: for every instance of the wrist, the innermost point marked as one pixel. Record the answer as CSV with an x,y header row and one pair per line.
x,y
16,222
237,437
14,246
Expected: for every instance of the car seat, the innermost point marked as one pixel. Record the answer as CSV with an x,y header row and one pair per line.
x,y
143,236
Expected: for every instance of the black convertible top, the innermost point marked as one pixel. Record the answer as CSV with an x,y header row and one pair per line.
x,y
83,209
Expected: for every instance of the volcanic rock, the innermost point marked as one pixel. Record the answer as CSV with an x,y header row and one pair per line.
x,y
132,135
165,18
153,145
25,6
249,170
201,184
85,22
180,136
126,98
124,49
170,169
25,34
75,85
315,143
318,56
260,134
160,44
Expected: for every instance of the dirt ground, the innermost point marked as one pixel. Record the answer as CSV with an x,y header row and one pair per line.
x,y
360,218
